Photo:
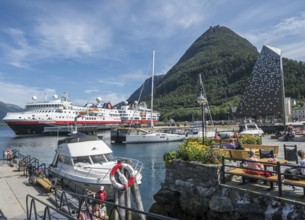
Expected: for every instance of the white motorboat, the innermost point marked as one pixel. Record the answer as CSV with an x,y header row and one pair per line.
x,y
252,129
88,162
142,136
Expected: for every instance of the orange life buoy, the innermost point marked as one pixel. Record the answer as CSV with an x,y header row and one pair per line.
x,y
123,182
8,154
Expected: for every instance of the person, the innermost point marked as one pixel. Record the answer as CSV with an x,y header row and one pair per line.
x,y
239,146
103,207
231,144
217,136
101,194
103,210
301,154
290,134
84,215
97,212
253,165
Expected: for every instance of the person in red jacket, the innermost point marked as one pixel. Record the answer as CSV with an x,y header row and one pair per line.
x,y
101,194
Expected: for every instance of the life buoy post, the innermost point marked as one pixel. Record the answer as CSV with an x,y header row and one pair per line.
x,y
8,154
122,180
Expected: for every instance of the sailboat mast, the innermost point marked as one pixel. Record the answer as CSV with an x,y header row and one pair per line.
x,y
283,93
152,90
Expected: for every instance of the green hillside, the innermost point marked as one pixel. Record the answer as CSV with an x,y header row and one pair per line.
x,y
225,61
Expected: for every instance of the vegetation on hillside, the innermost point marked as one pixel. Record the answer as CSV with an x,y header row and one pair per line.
x,y
225,61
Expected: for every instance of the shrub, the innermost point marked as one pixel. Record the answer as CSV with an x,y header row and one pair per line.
x,y
169,156
191,150
250,140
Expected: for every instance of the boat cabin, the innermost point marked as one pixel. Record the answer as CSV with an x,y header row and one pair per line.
x,y
83,150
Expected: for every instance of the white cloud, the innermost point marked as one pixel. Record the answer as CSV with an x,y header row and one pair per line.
x,y
18,50
294,50
162,19
114,98
138,76
116,83
18,94
56,34
89,91
72,37
288,34
290,26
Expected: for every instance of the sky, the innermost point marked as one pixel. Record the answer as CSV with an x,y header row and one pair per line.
x,y
102,48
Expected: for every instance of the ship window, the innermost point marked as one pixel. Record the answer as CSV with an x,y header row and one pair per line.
x,y
98,158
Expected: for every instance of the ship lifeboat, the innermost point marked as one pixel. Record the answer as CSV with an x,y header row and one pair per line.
x,y
82,113
93,110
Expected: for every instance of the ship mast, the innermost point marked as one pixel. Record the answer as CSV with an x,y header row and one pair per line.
x,y
152,90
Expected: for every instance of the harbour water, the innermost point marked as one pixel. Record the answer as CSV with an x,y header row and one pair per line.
x,y
43,148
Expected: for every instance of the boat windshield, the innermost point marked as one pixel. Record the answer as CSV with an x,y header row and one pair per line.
x,y
110,157
252,127
103,158
83,159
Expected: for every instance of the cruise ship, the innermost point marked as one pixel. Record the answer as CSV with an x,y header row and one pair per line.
x,y
39,115
134,113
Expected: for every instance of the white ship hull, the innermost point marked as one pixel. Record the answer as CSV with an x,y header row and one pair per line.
x,y
153,138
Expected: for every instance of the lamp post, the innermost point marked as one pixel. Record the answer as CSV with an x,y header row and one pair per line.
x,y
202,100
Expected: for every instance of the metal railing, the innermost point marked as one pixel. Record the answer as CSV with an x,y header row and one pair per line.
x,y
70,205
29,164
45,211
278,170
84,204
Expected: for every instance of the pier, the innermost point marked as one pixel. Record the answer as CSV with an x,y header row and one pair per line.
x,y
21,199
14,187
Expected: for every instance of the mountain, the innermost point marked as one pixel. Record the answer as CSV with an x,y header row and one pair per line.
x,y
146,88
225,61
4,108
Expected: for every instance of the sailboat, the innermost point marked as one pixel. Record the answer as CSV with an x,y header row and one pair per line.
x,y
153,135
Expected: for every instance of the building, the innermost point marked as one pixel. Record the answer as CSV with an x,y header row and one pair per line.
x,y
298,114
264,94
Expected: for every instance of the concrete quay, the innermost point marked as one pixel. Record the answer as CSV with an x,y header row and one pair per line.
x,y
14,187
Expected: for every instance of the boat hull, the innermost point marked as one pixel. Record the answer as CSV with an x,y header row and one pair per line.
x,y
153,139
39,127
28,128
83,187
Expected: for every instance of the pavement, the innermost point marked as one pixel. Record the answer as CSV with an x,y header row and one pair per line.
x,y
14,188
299,140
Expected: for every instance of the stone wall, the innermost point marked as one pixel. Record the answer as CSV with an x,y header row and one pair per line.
x,y
193,191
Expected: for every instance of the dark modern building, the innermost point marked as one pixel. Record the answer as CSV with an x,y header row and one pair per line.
x,y
264,95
